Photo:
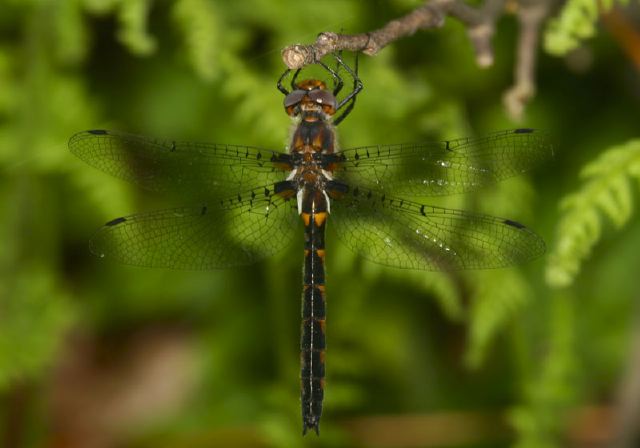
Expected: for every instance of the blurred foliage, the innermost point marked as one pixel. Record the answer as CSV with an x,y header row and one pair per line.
x,y
399,342
576,22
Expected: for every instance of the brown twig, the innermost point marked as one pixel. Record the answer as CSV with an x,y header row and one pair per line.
x,y
531,14
480,23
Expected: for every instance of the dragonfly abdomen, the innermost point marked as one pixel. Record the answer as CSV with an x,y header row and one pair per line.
x,y
314,215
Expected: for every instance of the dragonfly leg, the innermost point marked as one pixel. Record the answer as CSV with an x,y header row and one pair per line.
x,y
357,83
337,87
293,80
337,79
279,85
351,98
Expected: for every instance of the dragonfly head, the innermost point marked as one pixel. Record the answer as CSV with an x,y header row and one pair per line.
x,y
310,95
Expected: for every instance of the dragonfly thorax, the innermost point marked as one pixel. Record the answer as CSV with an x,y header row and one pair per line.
x,y
310,180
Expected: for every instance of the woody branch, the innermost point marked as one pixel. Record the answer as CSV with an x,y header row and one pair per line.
x,y
480,23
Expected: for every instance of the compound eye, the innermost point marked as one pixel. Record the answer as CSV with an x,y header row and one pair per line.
x,y
294,98
323,97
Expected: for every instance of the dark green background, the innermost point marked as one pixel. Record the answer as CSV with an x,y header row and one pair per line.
x,y
101,355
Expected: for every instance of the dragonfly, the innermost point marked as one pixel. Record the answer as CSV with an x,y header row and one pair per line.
x,y
248,203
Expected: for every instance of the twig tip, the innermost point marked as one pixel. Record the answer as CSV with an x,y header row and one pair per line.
x,y
295,56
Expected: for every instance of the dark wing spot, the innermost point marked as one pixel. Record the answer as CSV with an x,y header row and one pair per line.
x,y
515,224
523,131
115,222
97,131
422,211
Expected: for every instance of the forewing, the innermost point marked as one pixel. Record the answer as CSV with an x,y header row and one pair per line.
x,y
410,235
200,169
232,232
440,168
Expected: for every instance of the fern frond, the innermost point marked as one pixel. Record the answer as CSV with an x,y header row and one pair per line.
x,y
446,294
498,296
100,6
551,388
35,315
575,23
133,15
8,96
607,192
70,31
199,25
440,285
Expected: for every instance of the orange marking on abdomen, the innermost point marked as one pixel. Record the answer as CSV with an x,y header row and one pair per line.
x,y
320,253
306,218
317,141
320,218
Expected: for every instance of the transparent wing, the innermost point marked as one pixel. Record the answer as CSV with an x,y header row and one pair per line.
x,y
201,169
232,232
410,235
440,168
